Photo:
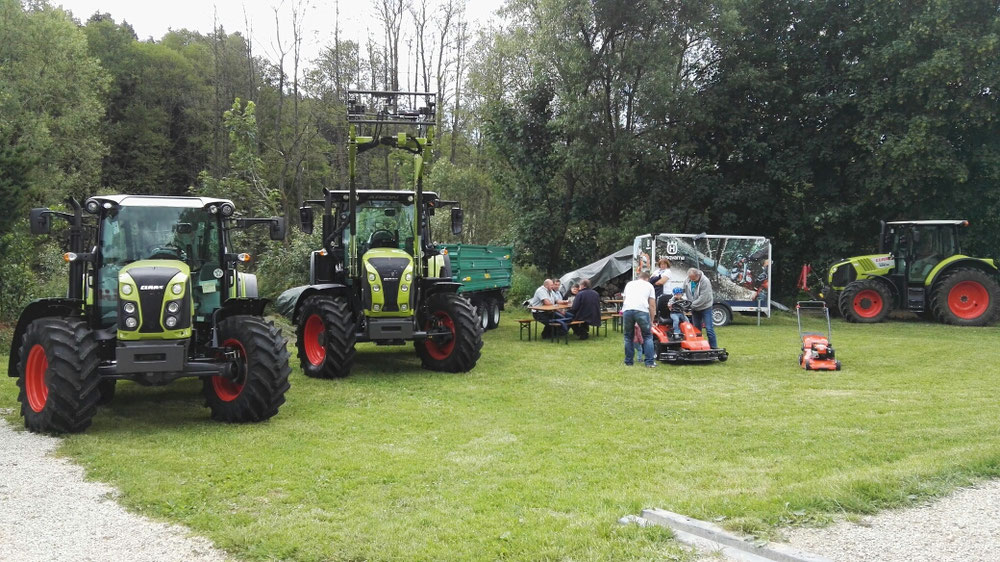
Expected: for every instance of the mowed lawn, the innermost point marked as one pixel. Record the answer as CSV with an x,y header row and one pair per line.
x,y
538,451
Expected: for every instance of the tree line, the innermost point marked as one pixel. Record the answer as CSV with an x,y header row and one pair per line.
x,y
566,129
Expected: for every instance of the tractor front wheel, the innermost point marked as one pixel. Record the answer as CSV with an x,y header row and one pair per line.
x,y
262,372
966,297
457,336
325,337
58,375
868,301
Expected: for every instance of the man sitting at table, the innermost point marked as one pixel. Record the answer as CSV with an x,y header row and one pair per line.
x,y
586,308
546,296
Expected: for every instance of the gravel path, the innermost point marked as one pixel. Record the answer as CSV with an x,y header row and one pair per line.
x,y
964,526
49,512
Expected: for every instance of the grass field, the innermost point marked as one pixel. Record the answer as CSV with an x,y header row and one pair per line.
x,y
539,451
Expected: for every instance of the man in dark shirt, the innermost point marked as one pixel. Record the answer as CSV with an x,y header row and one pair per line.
x,y
586,308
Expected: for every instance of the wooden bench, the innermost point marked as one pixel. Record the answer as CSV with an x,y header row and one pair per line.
x,y
524,324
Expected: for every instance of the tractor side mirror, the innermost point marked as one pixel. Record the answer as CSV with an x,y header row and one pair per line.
x,y
306,219
277,230
40,221
457,216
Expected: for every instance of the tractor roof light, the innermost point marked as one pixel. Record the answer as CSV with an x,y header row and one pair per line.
x,y
214,209
227,210
93,206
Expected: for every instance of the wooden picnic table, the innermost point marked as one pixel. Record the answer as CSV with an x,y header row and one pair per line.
x,y
547,308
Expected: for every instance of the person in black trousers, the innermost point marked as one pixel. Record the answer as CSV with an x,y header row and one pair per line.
x,y
587,308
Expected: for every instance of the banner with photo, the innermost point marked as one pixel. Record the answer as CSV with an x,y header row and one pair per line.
x,y
739,267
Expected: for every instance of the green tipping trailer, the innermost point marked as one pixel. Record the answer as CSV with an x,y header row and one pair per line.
x,y
485,274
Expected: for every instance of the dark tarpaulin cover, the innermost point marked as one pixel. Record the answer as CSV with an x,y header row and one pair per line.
x,y
285,303
601,271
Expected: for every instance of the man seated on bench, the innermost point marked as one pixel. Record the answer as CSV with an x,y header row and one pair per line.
x,y
545,296
587,309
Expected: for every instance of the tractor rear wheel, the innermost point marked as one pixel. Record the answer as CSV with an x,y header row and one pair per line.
x,y
866,301
325,337
494,314
457,350
966,296
58,375
262,364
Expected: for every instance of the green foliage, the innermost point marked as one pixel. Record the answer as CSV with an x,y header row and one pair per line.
x,y
284,265
30,269
525,280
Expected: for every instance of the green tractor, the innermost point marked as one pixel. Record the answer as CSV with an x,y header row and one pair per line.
x,y
156,297
919,268
379,277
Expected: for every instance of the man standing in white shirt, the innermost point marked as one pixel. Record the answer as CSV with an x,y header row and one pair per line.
x,y
639,307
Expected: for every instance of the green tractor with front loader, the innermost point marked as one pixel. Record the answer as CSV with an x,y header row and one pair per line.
x,y
154,295
378,276
920,268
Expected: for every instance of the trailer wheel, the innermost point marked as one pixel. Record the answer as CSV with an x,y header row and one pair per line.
x,y
966,297
494,317
325,337
483,314
721,315
58,377
262,362
458,349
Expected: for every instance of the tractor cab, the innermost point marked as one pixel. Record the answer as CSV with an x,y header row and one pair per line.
x,y
918,246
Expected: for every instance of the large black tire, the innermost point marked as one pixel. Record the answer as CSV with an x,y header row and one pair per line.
x,y
58,377
966,296
866,302
459,352
264,371
493,308
325,337
832,300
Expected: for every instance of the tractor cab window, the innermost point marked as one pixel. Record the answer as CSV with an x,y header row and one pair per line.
x,y
383,224
130,234
931,245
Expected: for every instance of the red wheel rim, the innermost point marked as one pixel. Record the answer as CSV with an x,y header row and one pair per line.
x,y
868,303
225,389
313,340
34,378
968,300
434,349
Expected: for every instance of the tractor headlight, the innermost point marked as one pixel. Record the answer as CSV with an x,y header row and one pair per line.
x,y
131,322
377,307
173,307
126,289
408,277
371,277
405,288
376,288
129,308
176,289
403,307
171,321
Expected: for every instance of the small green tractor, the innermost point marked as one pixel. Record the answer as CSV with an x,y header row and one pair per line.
x,y
156,297
379,277
919,268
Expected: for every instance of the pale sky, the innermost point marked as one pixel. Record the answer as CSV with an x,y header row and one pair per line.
x,y
357,19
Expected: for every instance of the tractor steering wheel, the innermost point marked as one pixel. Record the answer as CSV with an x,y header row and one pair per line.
x,y
167,252
380,237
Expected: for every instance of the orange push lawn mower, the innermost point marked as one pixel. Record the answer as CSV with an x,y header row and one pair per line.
x,y
817,351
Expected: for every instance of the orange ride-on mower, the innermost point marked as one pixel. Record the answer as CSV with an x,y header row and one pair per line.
x,y
817,351
690,347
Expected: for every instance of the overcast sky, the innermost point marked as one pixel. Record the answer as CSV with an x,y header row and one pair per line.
x,y
357,18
